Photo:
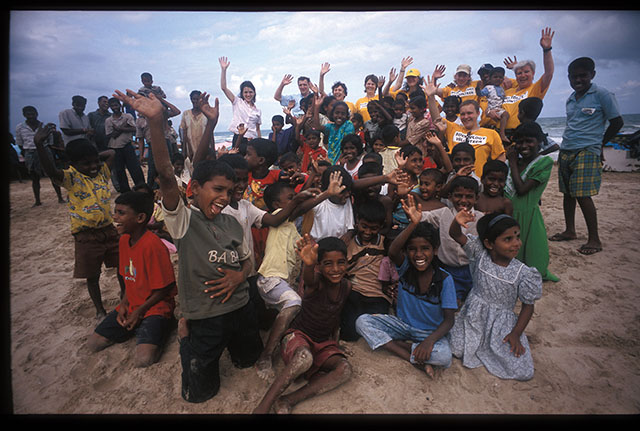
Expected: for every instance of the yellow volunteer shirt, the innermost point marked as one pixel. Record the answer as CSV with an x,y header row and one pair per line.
x,y
465,93
486,143
514,96
361,107
89,198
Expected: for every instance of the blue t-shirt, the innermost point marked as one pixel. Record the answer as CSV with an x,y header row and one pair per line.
x,y
284,140
586,119
420,311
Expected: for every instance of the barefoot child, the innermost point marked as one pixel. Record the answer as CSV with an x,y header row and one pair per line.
x,y
491,199
88,182
213,265
310,346
146,309
486,331
426,300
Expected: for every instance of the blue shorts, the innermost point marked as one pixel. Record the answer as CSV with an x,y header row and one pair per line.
x,y
151,330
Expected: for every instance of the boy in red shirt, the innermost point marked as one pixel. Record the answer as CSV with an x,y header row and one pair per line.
x,y
146,309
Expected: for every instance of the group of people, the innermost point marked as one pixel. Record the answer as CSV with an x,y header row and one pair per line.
x,y
410,218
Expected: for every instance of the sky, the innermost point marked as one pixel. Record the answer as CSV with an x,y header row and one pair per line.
x,y
54,55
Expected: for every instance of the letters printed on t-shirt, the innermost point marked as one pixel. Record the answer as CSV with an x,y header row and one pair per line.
x,y
515,98
470,91
216,257
472,139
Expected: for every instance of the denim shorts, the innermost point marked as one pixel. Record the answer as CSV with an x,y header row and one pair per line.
x,y
151,330
379,329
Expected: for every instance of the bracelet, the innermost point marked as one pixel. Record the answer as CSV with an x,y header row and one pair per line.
x,y
546,49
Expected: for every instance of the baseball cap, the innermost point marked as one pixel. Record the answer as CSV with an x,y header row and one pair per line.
x,y
412,72
464,68
485,67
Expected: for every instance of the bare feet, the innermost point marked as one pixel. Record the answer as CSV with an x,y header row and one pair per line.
x,y
428,369
563,236
282,407
264,367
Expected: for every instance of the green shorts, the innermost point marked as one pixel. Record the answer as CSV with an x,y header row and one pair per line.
x,y
579,173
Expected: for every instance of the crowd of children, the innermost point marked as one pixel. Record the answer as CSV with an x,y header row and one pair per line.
x,y
393,229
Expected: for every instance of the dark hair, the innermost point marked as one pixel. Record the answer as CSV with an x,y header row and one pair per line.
x,y
79,99
79,149
463,147
331,243
369,168
207,169
103,97
411,276
288,157
464,182
272,193
389,133
497,69
453,99
374,158
341,104
304,78
435,174
354,139
409,150
325,103
495,166
419,101
358,116
402,95
265,148
144,188
177,157
278,118
490,229
530,129
371,77
306,101
236,161
371,210
146,75
139,202
339,84
347,181
29,108
250,85
195,93
531,107
312,132
114,100
585,63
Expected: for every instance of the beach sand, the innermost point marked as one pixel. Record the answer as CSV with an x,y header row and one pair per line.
x,y
584,334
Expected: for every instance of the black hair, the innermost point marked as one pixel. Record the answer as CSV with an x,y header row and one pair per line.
x,y
490,230
139,202
339,84
207,169
114,100
419,101
177,157
303,78
374,158
495,166
144,188
411,276
585,63
79,149
497,69
358,116
454,99
306,101
288,157
353,139
342,104
236,161
146,75
529,129
272,193
347,181
531,107
371,210
331,243
463,147
389,133
312,132
29,108
195,93
465,182
435,174
409,150
278,118
79,99
266,149
371,77
402,95
103,97
325,103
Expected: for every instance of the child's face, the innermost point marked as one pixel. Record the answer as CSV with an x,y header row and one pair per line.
x,y
462,197
506,244
420,253
126,220
340,115
178,167
372,191
242,181
497,79
373,114
367,230
147,82
277,126
312,141
212,196
378,146
493,183
286,196
450,108
350,152
461,159
290,167
414,164
416,111
333,266
252,158
357,124
342,198
580,79
429,188
528,147
89,166
398,110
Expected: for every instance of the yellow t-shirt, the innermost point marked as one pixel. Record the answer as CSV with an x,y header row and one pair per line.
x,y
486,143
361,107
89,198
465,93
280,257
514,96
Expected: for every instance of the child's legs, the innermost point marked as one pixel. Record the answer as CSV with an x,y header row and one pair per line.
x,y
440,353
107,332
133,164
276,293
245,344
151,335
380,329
356,305
119,168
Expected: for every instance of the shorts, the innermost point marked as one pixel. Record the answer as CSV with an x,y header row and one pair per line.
x,y
356,305
151,330
579,173
294,339
93,247
32,161
276,293
200,351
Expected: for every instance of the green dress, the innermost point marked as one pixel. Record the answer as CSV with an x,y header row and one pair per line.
x,y
526,210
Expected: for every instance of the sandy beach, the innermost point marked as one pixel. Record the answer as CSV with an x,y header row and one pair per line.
x,y
584,334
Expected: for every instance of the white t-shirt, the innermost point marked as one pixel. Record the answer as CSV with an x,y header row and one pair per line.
x,y
243,113
248,215
330,219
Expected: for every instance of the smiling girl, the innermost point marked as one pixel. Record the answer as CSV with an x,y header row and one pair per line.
x,y
244,106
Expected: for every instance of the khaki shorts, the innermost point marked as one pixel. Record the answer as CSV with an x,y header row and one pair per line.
x,y
93,247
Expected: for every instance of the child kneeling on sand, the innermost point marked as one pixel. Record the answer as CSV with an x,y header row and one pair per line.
x,y
146,309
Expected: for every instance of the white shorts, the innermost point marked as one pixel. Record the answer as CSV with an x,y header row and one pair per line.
x,y
277,293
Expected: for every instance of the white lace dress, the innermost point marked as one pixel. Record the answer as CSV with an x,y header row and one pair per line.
x,y
487,315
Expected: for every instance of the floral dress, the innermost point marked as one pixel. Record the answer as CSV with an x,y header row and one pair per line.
x,y
487,315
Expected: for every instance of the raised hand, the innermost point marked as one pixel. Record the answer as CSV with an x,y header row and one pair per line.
x,y
313,87
150,106
401,160
406,62
335,184
211,112
286,80
381,81
325,68
430,87
464,216
413,211
43,132
509,63
547,37
307,249
392,74
224,63
438,72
